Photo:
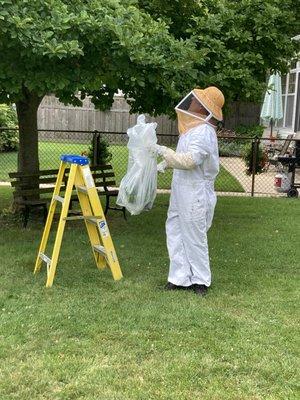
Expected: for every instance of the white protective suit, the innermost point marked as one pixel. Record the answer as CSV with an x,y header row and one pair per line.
x,y
192,204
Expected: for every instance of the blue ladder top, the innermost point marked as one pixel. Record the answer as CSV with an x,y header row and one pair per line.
x,y
74,159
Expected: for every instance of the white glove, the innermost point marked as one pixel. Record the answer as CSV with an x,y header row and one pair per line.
x,y
156,149
161,167
161,150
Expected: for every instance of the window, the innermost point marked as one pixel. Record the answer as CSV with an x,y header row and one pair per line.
x,y
291,99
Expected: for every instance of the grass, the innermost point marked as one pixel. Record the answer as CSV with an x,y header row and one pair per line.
x,y
5,197
50,154
90,338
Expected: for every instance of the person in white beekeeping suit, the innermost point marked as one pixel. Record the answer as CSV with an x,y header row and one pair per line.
x,y
193,199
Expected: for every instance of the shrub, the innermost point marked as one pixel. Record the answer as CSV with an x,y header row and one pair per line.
x,y
230,148
261,159
9,140
249,130
103,155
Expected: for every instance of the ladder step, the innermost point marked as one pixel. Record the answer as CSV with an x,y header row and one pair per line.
x,y
99,249
58,198
45,258
74,218
93,219
81,189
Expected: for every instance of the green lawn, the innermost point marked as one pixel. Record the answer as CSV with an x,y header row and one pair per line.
x,y
90,338
50,153
5,197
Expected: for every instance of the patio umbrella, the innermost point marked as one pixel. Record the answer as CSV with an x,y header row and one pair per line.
x,y
272,107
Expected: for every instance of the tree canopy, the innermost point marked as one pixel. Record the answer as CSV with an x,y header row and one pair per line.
x,y
91,47
154,51
238,41
96,47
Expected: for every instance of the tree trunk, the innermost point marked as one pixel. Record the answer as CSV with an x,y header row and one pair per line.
x,y
28,157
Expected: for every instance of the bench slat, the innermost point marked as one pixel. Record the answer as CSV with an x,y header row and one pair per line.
x,y
29,192
22,183
103,184
102,170
113,192
103,176
101,167
41,173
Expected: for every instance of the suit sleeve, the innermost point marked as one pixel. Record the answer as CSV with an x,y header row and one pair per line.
x,y
199,145
198,149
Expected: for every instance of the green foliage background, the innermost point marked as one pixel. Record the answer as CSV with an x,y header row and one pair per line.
x,y
8,138
248,158
152,50
237,42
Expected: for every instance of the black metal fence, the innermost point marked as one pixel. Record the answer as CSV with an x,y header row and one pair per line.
x,y
249,166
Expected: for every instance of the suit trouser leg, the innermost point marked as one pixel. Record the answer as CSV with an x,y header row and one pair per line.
x,y
179,271
196,250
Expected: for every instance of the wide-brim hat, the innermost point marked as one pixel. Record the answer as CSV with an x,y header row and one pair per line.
x,y
212,99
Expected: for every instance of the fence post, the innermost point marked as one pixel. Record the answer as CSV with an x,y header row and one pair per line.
x,y
254,145
98,148
95,148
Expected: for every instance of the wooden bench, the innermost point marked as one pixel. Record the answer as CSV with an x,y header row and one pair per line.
x,y
103,175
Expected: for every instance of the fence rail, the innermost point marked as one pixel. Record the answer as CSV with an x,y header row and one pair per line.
x,y
257,177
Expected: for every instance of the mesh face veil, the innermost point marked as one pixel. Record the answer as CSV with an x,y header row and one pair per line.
x,y
192,112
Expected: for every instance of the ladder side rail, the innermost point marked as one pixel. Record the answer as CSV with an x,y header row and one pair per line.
x,y
87,211
61,224
50,216
111,255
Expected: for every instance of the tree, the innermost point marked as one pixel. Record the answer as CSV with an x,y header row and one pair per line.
x,y
238,41
92,47
98,46
241,41
178,14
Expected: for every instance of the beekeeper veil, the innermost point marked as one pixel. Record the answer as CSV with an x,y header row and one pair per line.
x,y
199,107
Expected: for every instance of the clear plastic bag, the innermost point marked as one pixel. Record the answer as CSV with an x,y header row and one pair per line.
x,y
137,190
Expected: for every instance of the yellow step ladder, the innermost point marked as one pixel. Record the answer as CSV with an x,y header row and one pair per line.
x,y
92,213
